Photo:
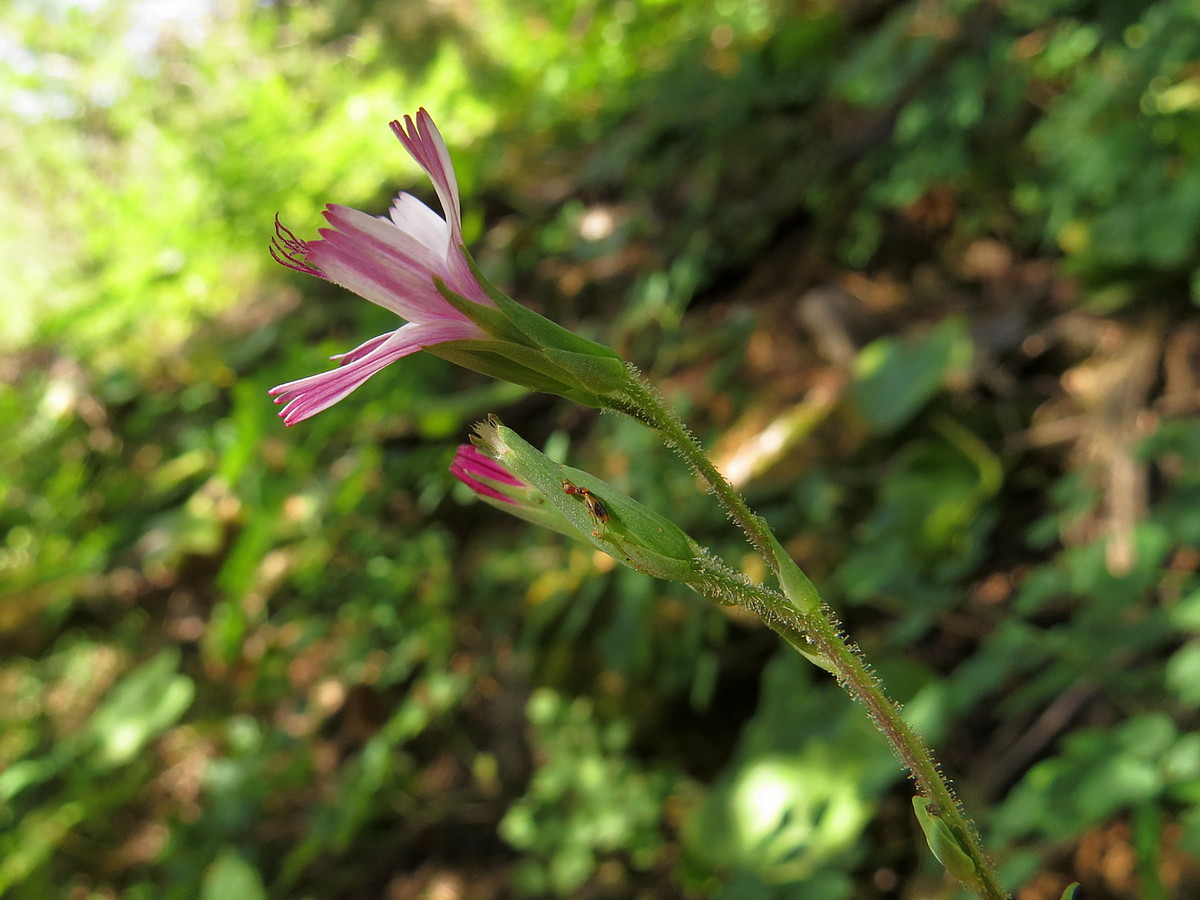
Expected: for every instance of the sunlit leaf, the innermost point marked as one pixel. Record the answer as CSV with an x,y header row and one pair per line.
x,y
895,377
141,706
232,875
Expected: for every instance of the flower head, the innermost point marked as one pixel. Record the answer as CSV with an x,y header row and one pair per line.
x,y
395,262
413,263
577,504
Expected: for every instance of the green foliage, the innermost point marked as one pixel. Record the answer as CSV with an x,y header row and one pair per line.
x,y
791,805
1098,773
588,801
230,875
1124,196
931,524
244,661
145,703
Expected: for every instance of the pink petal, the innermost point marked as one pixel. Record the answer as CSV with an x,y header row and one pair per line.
x,y
477,486
379,262
469,458
469,465
412,216
424,142
308,396
407,249
363,349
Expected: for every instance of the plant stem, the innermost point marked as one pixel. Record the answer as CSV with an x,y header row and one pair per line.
x,y
816,632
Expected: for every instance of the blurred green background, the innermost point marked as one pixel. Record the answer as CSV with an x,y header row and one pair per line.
x,y
924,274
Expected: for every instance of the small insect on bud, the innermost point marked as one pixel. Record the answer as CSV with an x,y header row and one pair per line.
x,y
591,509
594,507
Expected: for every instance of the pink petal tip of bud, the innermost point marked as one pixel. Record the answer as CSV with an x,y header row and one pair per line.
x,y
469,465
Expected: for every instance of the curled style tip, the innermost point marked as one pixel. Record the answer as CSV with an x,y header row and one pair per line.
x,y
288,250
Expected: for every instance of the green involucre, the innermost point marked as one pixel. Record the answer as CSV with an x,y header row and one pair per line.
x,y
631,533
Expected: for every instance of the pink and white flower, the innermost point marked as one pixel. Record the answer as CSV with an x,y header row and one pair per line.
x,y
393,261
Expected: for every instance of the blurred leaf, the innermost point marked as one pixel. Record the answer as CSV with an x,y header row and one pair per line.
x,y
895,377
39,837
1183,673
141,706
231,875
1097,774
802,785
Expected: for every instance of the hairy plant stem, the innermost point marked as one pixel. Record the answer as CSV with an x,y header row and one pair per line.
x,y
814,630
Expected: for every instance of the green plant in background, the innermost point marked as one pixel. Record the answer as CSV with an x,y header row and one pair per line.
x,y
590,800
976,431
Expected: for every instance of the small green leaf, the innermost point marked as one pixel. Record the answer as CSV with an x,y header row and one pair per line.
x,y
232,875
1069,893
895,377
530,350
599,373
945,846
577,377
486,317
796,585
542,332
516,363
142,706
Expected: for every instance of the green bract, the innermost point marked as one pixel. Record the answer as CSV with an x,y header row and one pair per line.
x,y
530,350
796,585
945,845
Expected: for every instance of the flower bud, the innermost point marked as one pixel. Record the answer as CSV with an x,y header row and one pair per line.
x,y
496,486
610,520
